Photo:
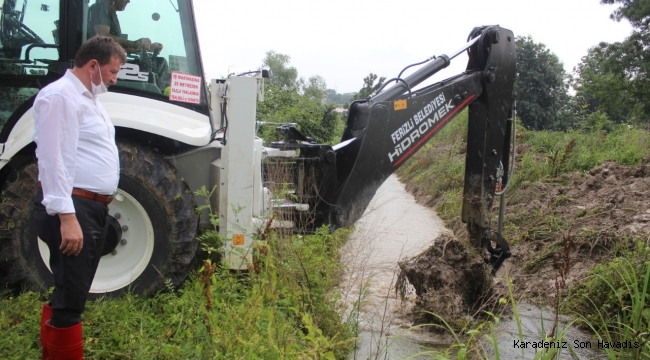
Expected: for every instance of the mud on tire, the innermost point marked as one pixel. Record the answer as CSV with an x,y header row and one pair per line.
x,y
146,180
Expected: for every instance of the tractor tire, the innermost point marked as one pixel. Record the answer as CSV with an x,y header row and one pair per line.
x,y
152,233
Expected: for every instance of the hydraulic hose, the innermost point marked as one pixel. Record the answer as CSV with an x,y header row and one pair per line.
x,y
513,141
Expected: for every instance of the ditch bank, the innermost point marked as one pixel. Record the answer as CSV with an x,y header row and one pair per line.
x,y
559,231
595,211
598,212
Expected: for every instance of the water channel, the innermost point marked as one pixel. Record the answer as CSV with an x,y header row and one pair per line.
x,y
396,227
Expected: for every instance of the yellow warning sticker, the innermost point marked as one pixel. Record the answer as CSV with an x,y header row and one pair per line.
x,y
238,239
399,104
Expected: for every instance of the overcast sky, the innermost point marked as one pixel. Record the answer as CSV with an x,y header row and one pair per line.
x,y
344,40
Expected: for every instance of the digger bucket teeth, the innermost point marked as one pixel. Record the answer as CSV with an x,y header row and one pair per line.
x,y
498,253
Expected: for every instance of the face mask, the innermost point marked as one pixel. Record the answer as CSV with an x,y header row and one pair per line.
x,y
98,89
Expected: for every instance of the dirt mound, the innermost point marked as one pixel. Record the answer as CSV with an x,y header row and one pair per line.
x,y
449,281
603,211
612,198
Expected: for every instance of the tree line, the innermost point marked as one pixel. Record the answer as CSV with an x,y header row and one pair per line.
x,y
290,99
610,85
305,103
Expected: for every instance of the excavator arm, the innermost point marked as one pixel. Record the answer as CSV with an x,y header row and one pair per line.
x,y
382,132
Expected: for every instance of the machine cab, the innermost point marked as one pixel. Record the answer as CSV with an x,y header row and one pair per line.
x,y
39,39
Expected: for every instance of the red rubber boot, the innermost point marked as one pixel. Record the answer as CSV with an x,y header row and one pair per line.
x,y
65,343
45,316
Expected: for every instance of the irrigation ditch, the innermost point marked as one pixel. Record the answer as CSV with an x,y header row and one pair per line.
x,y
396,232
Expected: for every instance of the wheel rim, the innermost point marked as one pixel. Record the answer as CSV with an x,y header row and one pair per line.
x,y
129,260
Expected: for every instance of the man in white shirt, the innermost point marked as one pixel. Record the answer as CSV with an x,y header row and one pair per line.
x,y
78,164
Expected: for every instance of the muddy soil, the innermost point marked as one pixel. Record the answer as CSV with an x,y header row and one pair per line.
x,y
449,281
600,212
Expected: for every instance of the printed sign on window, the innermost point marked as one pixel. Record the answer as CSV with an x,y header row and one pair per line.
x,y
185,88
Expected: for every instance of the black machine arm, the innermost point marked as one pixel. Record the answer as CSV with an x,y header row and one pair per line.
x,y
383,131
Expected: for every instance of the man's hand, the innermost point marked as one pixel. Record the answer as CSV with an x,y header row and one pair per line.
x,y
143,44
72,238
156,48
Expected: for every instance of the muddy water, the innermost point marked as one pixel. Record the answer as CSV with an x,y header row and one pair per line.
x,y
393,227
535,322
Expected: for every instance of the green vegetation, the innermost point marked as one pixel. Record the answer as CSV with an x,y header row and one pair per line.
x,y
542,87
339,99
616,299
369,86
283,309
613,77
616,303
582,150
437,170
285,105
293,100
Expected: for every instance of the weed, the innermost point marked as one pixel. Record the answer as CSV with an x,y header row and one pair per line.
x,y
614,303
217,314
558,158
537,261
210,239
561,200
206,278
562,263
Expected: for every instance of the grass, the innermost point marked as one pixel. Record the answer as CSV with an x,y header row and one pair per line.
x,y
614,302
286,311
622,145
436,172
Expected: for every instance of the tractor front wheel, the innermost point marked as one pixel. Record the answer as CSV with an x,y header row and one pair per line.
x,y
151,241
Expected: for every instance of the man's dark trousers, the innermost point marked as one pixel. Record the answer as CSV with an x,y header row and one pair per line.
x,y
73,275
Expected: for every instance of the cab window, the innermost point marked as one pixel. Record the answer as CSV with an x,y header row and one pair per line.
x,y
28,36
156,35
29,48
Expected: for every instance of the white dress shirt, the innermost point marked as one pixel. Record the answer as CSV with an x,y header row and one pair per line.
x,y
75,144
